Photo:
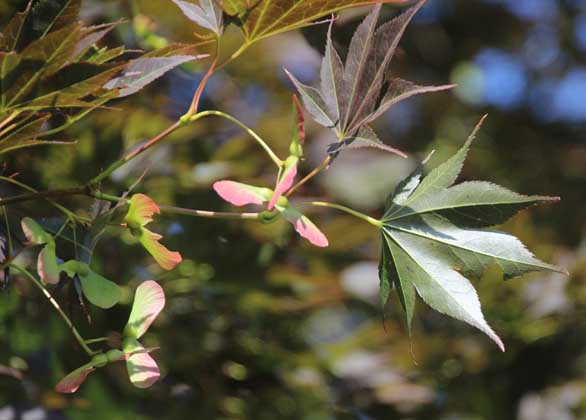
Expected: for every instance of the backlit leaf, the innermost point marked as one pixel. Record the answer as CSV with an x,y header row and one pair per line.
x,y
25,135
142,368
92,35
142,71
55,49
353,94
207,14
13,30
71,85
430,229
263,18
50,15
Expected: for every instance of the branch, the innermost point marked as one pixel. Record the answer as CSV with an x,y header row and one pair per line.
x,y
43,194
108,171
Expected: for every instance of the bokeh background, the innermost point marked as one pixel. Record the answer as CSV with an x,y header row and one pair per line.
x,y
258,324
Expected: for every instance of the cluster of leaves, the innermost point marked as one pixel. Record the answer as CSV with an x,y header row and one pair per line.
x,y
259,19
50,69
264,18
430,229
52,73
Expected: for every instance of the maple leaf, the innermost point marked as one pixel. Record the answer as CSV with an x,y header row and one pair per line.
x,y
433,241
49,68
207,14
260,19
353,94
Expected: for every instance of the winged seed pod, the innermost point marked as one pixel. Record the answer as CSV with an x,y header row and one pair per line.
x,y
142,369
140,213
47,266
97,289
240,194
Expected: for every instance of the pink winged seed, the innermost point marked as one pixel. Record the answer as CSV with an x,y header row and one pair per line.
x,y
149,301
143,371
282,187
73,381
310,232
47,267
144,207
162,255
236,193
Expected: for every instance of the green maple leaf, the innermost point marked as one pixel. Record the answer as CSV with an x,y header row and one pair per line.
x,y
433,241
260,19
48,67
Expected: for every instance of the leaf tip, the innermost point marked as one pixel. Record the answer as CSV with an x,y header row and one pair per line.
x,y
476,129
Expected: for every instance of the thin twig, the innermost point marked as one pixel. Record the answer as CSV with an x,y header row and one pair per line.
x,y
361,216
55,304
108,171
310,175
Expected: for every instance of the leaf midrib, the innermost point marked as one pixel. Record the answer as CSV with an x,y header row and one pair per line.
x,y
434,209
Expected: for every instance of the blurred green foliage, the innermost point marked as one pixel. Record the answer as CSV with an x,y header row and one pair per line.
x,y
259,325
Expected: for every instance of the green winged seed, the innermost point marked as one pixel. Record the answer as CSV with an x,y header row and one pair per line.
x,y
100,291
34,233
